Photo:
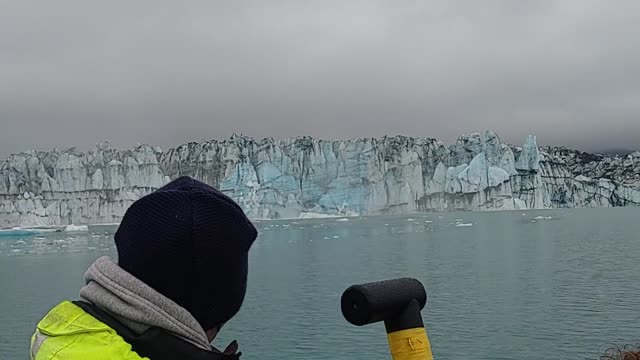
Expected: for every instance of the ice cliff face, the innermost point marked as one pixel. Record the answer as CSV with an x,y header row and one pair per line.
x,y
287,178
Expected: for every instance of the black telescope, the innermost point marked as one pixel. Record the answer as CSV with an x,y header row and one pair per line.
x,y
397,303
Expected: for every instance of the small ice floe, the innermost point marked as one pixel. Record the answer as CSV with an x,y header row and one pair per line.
x,y
326,238
524,214
21,242
543,218
386,224
76,228
410,219
464,225
336,237
428,221
342,220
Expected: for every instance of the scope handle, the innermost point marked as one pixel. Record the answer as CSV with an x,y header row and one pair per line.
x,y
397,303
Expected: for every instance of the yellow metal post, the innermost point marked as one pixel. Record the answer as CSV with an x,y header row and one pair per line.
x,y
410,344
397,303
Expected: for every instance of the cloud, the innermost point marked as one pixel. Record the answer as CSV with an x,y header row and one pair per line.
x,y
78,72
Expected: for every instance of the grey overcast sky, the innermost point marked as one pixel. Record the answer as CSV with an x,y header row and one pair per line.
x,y
77,72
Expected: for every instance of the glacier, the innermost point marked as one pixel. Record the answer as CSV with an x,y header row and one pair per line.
x,y
306,177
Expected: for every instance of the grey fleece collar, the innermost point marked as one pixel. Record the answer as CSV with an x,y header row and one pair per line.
x,y
136,304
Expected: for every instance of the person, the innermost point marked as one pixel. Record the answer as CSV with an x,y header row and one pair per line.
x,y
181,275
628,352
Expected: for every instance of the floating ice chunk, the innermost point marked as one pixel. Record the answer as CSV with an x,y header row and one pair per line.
x,y
312,215
543,218
20,242
76,228
342,220
336,237
428,221
409,219
464,225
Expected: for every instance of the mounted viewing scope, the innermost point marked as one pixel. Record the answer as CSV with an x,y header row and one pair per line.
x,y
398,304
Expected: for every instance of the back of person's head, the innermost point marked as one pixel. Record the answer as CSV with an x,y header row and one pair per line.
x,y
626,355
630,355
628,352
190,243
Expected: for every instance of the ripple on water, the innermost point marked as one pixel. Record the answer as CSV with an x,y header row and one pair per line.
x,y
517,291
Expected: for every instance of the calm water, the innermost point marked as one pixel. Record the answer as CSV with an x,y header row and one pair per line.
x,y
504,288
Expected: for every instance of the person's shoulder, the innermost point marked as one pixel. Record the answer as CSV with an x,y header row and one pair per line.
x,y
67,332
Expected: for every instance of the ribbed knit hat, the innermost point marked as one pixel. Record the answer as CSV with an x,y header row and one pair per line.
x,y
189,242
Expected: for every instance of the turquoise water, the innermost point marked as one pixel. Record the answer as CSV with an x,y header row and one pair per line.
x,y
503,288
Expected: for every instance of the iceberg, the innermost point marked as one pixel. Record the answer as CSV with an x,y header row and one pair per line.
x,y
543,218
312,178
76,228
311,215
464,225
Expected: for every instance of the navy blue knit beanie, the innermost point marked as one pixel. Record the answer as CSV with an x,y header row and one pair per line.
x,y
189,242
